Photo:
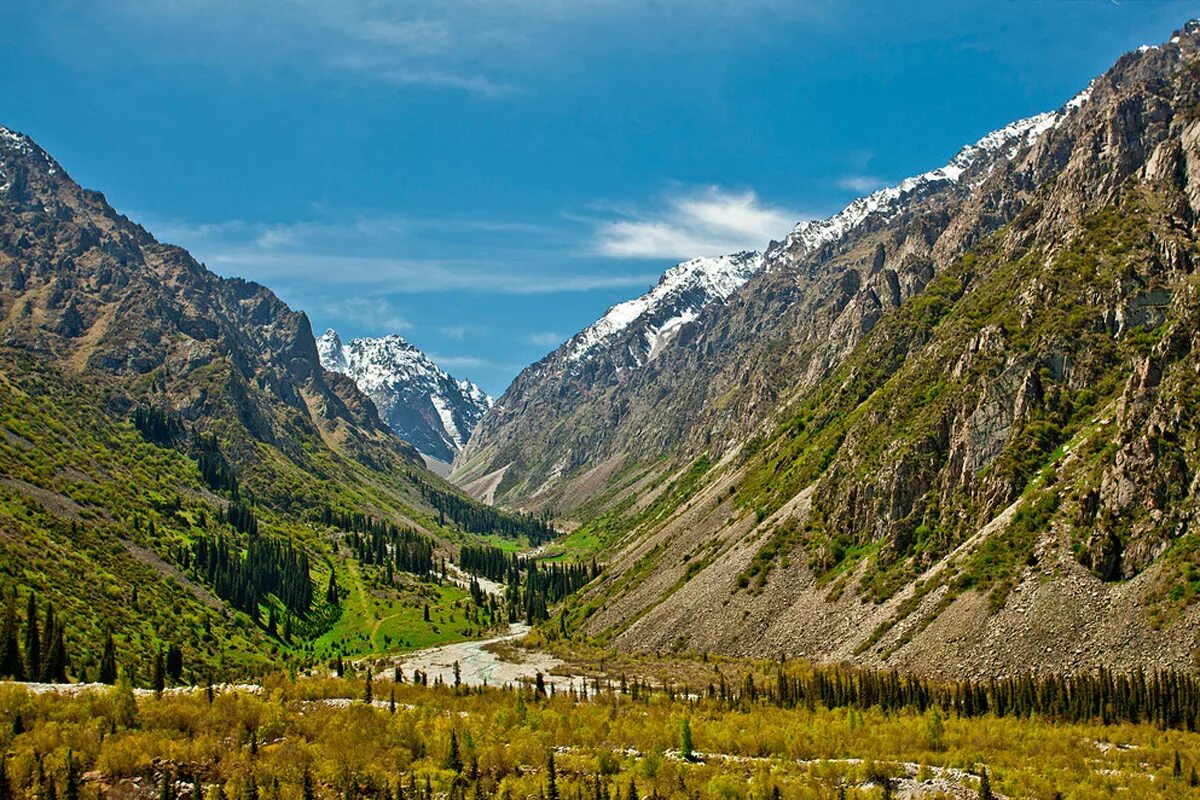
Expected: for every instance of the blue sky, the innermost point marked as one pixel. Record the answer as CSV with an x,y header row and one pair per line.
x,y
486,177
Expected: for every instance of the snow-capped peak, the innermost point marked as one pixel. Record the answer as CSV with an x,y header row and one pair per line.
x,y
680,294
1005,142
418,399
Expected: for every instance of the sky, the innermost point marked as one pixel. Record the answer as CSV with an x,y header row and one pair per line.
x,y
487,177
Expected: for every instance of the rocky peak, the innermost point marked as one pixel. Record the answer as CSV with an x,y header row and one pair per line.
x,y
419,400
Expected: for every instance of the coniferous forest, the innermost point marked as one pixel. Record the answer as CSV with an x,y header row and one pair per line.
x,y
739,503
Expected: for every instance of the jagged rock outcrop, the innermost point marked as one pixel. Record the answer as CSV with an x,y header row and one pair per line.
x,y
419,400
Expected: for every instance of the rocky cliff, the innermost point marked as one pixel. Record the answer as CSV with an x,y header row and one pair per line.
x,y
953,420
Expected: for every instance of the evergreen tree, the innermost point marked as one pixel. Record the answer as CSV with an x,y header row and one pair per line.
x,y
71,787
685,741
174,665
33,643
453,756
985,785
368,693
551,778
166,790
158,675
6,792
10,656
307,792
108,660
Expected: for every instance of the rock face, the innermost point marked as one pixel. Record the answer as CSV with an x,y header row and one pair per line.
x,y
561,388
953,420
419,400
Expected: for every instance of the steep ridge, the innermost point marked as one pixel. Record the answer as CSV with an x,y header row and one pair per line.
x,y
597,360
418,400
951,430
596,417
153,416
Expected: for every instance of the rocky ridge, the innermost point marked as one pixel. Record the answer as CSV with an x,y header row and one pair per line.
x,y
419,400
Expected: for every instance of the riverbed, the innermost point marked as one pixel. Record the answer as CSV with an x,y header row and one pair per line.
x,y
479,666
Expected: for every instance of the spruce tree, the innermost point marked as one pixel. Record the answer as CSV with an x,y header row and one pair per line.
x,y
551,778
71,788
985,785
307,792
368,693
158,678
6,792
33,643
685,741
453,756
10,656
108,660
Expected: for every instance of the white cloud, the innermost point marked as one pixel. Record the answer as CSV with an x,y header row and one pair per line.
x,y
476,46
545,338
863,184
710,222
374,315
357,255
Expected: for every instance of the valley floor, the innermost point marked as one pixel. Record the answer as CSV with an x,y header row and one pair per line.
x,y
625,732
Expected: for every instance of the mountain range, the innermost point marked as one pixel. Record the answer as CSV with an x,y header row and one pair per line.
x,y
947,429
417,399
176,466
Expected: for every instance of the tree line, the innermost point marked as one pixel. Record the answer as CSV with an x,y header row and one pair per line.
x,y
477,518
244,581
1168,699
381,543
41,653
530,588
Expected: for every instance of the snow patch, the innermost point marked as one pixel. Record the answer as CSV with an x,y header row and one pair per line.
x,y
404,383
1002,143
694,283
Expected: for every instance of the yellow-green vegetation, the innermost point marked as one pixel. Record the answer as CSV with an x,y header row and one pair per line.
x,y
321,738
103,503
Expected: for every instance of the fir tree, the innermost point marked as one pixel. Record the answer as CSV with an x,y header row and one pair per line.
x,y
551,778
10,657
307,792
985,785
33,644
108,660
368,693
453,756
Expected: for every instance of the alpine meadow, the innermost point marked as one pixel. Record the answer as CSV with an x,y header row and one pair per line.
x,y
891,500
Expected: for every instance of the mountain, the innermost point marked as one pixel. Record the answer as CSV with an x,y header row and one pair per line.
x,y
178,470
414,396
585,412
949,429
629,336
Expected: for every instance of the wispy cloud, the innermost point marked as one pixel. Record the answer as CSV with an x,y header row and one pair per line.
x,y
862,184
365,256
545,338
483,47
709,222
372,315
